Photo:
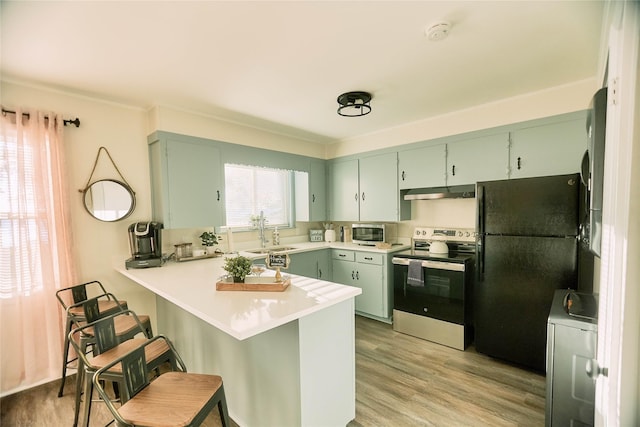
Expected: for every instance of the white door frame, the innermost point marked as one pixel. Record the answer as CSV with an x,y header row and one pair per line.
x,y
617,392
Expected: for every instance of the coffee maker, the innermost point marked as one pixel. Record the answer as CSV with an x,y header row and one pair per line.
x,y
145,244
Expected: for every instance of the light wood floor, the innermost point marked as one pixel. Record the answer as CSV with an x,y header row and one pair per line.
x,y
400,381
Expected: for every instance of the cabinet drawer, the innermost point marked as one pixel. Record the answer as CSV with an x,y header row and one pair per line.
x,y
343,255
369,258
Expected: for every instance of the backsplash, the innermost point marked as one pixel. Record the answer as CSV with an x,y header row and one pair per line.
x,y
459,213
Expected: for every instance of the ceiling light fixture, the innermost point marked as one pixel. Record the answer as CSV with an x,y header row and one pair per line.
x,y
438,31
354,104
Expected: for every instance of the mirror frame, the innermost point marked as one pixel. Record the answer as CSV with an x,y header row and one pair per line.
x,y
121,184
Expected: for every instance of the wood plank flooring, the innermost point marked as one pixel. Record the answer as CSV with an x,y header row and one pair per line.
x,y
400,381
406,381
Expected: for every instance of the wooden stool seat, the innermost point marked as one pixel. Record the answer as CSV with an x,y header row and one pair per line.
x,y
173,399
125,325
106,306
152,352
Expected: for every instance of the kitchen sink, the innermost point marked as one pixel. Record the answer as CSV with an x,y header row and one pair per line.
x,y
274,249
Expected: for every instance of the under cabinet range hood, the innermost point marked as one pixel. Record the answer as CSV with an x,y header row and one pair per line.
x,y
432,193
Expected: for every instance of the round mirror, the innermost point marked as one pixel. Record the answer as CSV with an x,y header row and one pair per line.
x,y
109,200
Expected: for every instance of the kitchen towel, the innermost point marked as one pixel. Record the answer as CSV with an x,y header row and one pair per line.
x,y
414,275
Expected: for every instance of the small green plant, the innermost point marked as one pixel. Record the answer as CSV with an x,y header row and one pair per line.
x,y
238,267
209,238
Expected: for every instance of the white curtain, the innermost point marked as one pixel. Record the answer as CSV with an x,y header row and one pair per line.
x,y
35,248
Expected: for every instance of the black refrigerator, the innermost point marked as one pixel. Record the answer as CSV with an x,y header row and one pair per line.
x,y
527,248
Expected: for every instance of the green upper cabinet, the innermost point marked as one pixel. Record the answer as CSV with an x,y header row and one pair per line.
x,y
311,190
344,191
422,167
484,158
365,189
379,187
186,183
551,149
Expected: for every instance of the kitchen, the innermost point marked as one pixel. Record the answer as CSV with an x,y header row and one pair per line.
x,y
127,142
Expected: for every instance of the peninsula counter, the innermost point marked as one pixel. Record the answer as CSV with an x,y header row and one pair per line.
x,y
286,358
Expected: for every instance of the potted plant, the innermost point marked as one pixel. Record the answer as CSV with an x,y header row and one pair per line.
x,y
209,239
238,267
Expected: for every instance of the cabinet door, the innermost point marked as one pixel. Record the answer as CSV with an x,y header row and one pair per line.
x,y
324,264
345,191
369,279
379,188
317,190
484,158
186,184
553,149
422,167
304,264
344,272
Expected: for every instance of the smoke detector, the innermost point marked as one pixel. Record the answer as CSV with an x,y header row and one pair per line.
x,y
438,31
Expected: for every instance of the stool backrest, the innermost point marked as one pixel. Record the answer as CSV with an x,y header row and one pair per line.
x,y
78,292
134,372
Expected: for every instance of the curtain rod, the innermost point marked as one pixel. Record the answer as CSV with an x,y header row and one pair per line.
x,y
75,121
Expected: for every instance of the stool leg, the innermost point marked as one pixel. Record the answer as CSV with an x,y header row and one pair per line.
x,y
65,356
222,409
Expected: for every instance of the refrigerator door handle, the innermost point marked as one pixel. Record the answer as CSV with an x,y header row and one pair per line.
x,y
480,243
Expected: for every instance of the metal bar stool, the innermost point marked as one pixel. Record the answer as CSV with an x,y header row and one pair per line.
x,y
175,398
113,336
75,313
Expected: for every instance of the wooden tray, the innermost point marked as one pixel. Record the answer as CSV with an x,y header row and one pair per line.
x,y
260,284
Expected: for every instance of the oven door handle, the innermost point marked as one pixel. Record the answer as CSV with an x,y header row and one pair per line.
x,y
436,265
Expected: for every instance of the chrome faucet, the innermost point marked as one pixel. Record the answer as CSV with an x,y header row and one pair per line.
x,y
261,223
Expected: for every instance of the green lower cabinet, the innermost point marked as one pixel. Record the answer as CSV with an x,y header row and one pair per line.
x,y
315,264
367,271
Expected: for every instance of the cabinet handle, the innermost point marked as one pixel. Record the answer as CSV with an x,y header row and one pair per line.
x,y
518,163
342,255
368,258
319,273
353,277
356,197
453,170
363,196
357,275
218,191
403,175
313,198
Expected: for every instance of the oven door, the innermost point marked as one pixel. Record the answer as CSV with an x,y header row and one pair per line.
x,y
440,296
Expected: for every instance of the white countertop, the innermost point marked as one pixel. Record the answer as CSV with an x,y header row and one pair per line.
x,y
192,287
312,246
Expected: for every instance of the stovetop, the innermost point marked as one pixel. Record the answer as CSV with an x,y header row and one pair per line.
x,y
461,243
453,257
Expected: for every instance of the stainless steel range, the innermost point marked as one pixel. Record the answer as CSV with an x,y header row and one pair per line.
x,y
432,286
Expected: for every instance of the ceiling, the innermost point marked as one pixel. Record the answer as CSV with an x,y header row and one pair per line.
x,y
280,66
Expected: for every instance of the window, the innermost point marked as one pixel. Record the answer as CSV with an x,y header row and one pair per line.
x,y
20,222
250,190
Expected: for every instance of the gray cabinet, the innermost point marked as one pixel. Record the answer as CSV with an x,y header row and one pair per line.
x,y
484,158
365,189
367,271
422,167
315,264
552,149
186,183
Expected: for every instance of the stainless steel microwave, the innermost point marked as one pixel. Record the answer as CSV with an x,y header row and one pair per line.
x,y
368,234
